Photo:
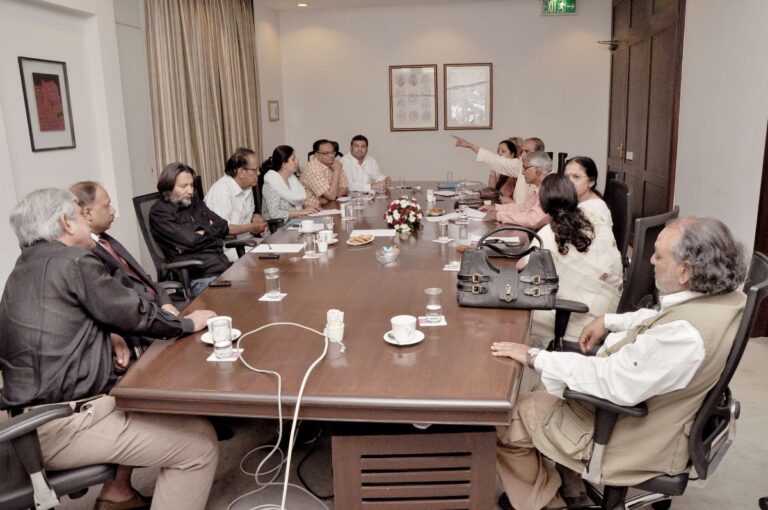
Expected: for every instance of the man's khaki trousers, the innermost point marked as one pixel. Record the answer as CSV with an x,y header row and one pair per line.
x,y
185,448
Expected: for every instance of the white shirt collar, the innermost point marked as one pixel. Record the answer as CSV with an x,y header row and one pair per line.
x,y
95,237
678,297
233,185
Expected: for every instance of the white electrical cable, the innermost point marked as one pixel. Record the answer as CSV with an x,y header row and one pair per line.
x,y
275,448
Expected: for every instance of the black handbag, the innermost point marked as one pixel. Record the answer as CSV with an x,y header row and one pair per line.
x,y
482,285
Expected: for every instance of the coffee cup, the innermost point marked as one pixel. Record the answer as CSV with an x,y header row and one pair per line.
x,y
403,327
307,225
325,236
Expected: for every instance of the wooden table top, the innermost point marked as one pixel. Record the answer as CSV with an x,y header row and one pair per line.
x,y
450,377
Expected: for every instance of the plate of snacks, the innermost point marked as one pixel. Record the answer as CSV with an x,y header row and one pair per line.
x,y
360,240
435,211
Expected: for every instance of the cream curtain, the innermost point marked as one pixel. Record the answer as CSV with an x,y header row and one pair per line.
x,y
203,81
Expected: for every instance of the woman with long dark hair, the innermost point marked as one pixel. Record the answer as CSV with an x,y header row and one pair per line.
x,y
585,255
283,195
582,171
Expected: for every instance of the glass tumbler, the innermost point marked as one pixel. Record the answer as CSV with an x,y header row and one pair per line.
x,y
443,231
221,331
449,176
454,257
272,279
328,223
309,245
434,307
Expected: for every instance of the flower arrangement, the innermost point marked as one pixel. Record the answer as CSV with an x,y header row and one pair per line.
x,y
404,215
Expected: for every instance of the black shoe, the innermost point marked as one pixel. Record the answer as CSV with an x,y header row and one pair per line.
x,y
504,503
763,503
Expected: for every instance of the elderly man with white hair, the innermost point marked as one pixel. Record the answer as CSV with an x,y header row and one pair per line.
x,y
536,166
668,358
58,316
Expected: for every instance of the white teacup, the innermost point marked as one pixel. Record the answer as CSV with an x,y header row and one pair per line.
x,y
403,327
307,225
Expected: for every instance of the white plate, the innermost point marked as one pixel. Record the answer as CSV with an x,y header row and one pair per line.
x,y
360,244
343,199
417,337
234,335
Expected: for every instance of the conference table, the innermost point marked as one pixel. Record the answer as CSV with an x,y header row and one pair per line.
x,y
449,379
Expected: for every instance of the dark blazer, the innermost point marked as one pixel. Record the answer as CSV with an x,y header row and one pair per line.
x,y
127,279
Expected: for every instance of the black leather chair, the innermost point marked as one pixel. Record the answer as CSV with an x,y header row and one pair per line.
x,y
618,198
712,430
561,157
639,282
24,483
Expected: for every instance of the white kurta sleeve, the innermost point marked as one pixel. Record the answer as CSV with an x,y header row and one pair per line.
x,y
663,359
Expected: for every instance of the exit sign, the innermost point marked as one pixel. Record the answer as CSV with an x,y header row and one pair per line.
x,y
558,7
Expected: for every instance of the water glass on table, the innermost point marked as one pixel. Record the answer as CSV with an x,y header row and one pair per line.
x,y
434,307
449,176
272,280
309,245
443,231
454,256
463,218
221,332
327,222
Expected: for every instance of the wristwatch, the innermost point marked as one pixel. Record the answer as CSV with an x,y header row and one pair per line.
x,y
532,352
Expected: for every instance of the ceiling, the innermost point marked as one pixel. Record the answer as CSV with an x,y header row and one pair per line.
x,y
290,5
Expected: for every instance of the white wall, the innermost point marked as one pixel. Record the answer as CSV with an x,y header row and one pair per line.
x,y
723,113
82,34
551,78
268,56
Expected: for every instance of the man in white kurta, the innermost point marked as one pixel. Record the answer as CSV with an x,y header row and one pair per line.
x,y
668,358
362,170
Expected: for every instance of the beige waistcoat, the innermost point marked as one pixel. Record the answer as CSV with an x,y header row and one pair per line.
x,y
642,448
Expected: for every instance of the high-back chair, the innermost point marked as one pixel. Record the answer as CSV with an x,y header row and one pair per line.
x,y
618,198
712,431
168,273
24,483
639,282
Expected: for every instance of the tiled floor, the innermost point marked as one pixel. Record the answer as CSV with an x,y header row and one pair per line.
x,y
739,481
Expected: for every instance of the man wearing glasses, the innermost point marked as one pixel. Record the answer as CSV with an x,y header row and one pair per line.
x,y
231,197
324,179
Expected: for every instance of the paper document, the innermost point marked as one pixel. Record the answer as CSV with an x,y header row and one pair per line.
x,y
278,248
383,232
326,212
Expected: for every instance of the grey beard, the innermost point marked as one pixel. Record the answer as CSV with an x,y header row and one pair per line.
x,y
186,202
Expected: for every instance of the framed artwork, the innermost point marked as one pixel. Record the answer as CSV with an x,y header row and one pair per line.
x,y
413,98
274,110
468,96
46,98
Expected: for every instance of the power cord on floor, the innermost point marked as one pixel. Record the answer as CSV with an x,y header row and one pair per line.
x,y
284,461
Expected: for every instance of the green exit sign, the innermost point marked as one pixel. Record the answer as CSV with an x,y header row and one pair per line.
x,y
558,7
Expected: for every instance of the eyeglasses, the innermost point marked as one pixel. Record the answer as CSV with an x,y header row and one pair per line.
x,y
327,153
251,169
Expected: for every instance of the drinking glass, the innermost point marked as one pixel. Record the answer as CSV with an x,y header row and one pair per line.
x,y
443,230
272,278
463,219
464,232
309,245
449,176
401,182
454,257
328,223
221,331
434,308
349,211
430,195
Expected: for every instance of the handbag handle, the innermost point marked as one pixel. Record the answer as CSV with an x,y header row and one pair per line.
x,y
503,253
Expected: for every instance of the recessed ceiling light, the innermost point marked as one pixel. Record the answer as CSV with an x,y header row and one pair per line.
x,y
302,5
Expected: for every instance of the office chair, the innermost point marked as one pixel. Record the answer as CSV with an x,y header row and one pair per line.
x,y
24,483
639,282
561,157
711,434
618,198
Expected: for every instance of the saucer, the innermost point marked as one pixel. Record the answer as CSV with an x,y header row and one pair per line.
x,y
418,336
342,199
234,335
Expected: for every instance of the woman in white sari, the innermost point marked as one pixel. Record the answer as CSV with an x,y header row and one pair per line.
x,y
585,255
283,195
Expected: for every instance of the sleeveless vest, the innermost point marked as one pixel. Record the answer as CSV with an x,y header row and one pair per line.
x,y
642,448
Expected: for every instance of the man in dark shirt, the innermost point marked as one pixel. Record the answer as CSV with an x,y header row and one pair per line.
x,y
186,229
57,313
99,213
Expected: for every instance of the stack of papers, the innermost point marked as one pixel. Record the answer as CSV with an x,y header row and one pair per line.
x,y
382,232
278,248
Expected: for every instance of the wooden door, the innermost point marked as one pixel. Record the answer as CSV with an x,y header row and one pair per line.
x,y
645,92
761,241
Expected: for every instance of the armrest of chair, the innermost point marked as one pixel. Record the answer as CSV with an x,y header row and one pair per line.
x,y
606,414
182,264
563,310
274,224
28,422
170,285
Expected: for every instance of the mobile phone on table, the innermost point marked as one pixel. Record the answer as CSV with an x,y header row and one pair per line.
x,y
220,283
